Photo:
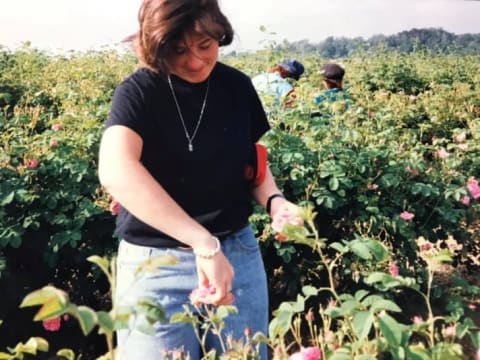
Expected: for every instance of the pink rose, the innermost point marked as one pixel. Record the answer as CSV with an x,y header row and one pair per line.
x,y
30,164
465,200
198,296
310,316
417,320
426,246
280,237
372,186
52,324
477,357
442,153
56,127
284,217
329,337
450,331
407,216
309,353
53,142
473,188
393,269
460,138
413,172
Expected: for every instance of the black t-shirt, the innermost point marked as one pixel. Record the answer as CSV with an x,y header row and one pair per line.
x,y
208,183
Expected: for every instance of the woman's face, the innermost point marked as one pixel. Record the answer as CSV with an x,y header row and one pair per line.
x,y
193,58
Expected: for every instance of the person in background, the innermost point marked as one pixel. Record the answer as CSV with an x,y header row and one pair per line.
x,y
275,82
333,75
181,132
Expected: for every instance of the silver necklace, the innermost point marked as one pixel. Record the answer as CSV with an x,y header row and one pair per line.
x,y
187,134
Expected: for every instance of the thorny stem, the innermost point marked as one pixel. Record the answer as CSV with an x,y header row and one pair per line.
x,y
429,307
323,258
212,327
328,266
426,297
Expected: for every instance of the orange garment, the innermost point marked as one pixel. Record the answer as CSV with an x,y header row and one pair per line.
x,y
258,175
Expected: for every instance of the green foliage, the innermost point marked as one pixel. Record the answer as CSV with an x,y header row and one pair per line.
x,y
358,165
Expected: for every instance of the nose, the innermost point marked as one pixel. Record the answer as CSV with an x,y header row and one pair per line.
x,y
195,62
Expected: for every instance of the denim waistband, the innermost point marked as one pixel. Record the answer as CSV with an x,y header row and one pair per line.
x,y
143,250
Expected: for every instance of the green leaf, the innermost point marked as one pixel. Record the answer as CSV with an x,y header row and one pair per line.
x,y
341,354
360,294
105,322
362,324
360,249
87,319
43,295
383,304
102,263
280,325
224,311
66,353
183,318
333,184
7,199
347,307
35,344
152,309
365,357
379,251
417,352
373,210
369,300
391,329
444,256
339,247
50,309
309,291
475,337
32,346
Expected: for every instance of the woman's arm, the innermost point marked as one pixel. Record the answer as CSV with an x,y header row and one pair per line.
x,y
129,182
268,188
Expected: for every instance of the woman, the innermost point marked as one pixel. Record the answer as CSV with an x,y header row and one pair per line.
x,y
274,82
181,132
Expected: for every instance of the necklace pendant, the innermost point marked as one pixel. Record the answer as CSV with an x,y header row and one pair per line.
x,y
190,147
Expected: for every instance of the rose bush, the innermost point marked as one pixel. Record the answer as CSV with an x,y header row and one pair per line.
x,y
398,163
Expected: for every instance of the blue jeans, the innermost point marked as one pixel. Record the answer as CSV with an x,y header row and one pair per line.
x,y
171,286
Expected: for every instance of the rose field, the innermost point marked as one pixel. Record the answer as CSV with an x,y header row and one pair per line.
x,y
384,263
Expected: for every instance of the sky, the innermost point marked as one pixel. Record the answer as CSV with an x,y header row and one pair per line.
x,y
62,25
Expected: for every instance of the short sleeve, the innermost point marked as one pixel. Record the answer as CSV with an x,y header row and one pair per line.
x,y
283,88
128,108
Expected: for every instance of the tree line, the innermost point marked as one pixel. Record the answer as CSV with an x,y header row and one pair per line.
x,y
434,40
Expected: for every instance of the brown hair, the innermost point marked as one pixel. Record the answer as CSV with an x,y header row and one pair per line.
x,y
163,23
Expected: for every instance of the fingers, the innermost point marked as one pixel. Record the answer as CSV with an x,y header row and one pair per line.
x,y
202,279
216,275
221,295
207,296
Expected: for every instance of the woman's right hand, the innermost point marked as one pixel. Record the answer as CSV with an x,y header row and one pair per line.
x,y
216,272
